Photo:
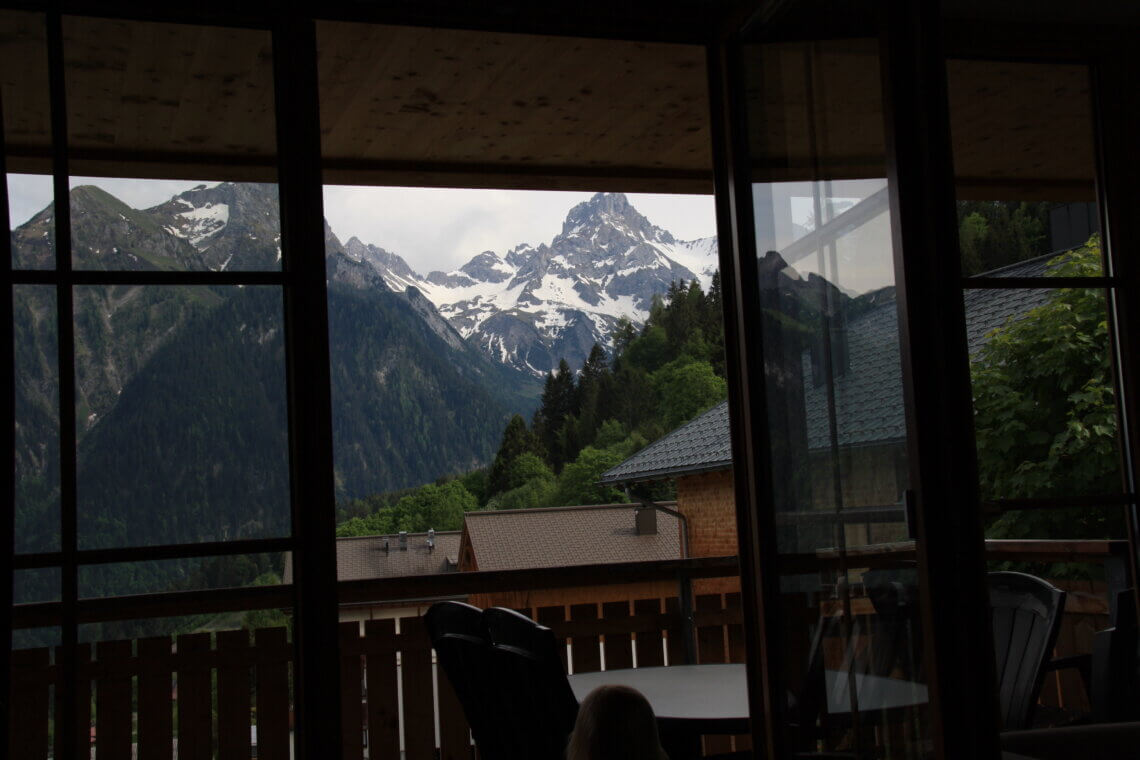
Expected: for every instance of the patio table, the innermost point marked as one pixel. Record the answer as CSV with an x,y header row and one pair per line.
x,y
714,698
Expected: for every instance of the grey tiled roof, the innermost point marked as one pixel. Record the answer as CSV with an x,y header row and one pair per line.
x,y
868,396
364,557
988,309
554,537
699,445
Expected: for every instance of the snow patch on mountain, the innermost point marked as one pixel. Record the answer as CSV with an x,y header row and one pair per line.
x,y
201,222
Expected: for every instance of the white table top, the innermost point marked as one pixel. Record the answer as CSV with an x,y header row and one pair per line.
x,y
718,694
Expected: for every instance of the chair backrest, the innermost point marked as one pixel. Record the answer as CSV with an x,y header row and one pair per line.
x,y
1026,613
530,671
463,650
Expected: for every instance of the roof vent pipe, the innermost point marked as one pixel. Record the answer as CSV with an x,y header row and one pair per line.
x,y
645,505
645,519
403,540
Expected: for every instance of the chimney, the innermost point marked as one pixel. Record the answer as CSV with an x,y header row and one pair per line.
x,y
645,520
403,540
431,539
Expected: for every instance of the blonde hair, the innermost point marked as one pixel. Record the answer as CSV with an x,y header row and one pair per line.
x,y
615,723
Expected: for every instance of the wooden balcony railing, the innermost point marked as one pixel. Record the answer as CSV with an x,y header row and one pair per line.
x,y
227,694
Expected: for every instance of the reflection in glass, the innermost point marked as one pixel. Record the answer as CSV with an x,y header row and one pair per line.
x,y
835,403
36,387
180,395
832,358
836,417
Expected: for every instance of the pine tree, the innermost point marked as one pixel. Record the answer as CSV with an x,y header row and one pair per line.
x,y
558,399
517,440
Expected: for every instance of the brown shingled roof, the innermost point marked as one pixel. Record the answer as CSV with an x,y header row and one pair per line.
x,y
559,536
363,557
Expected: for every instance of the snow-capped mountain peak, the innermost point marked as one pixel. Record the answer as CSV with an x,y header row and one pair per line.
x,y
535,305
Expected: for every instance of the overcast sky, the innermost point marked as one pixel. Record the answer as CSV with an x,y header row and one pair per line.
x,y
431,228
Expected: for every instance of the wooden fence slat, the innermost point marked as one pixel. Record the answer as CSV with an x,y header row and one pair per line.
x,y
584,652
551,617
351,677
195,722
272,685
113,716
736,653
417,688
618,646
383,691
233,696
675,644
454,733
29,724
650,652
711,649
155,707
82,727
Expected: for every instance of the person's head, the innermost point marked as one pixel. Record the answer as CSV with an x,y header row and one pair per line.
x,y
615,723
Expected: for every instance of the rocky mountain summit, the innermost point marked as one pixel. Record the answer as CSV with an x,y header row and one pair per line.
x,y
533,306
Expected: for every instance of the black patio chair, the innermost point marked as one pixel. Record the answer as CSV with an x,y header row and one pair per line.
x,y
1026,615
528,667
463,648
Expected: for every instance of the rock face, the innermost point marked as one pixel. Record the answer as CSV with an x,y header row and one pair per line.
x,y
533,306
232,226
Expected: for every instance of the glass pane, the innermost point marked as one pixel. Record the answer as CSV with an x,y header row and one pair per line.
x,y
192,105
30,212
1024,165
836,413
194,574
1044,396
127,224
39,584
180,402
36,389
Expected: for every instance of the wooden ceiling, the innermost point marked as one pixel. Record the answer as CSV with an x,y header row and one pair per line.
x,y
576,111
409,105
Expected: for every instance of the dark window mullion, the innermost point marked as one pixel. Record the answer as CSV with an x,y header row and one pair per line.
x,y
312,481
61,213
7,423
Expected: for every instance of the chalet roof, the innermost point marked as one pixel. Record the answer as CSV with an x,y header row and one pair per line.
x,y
700,445
560,536
868,395
364,558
